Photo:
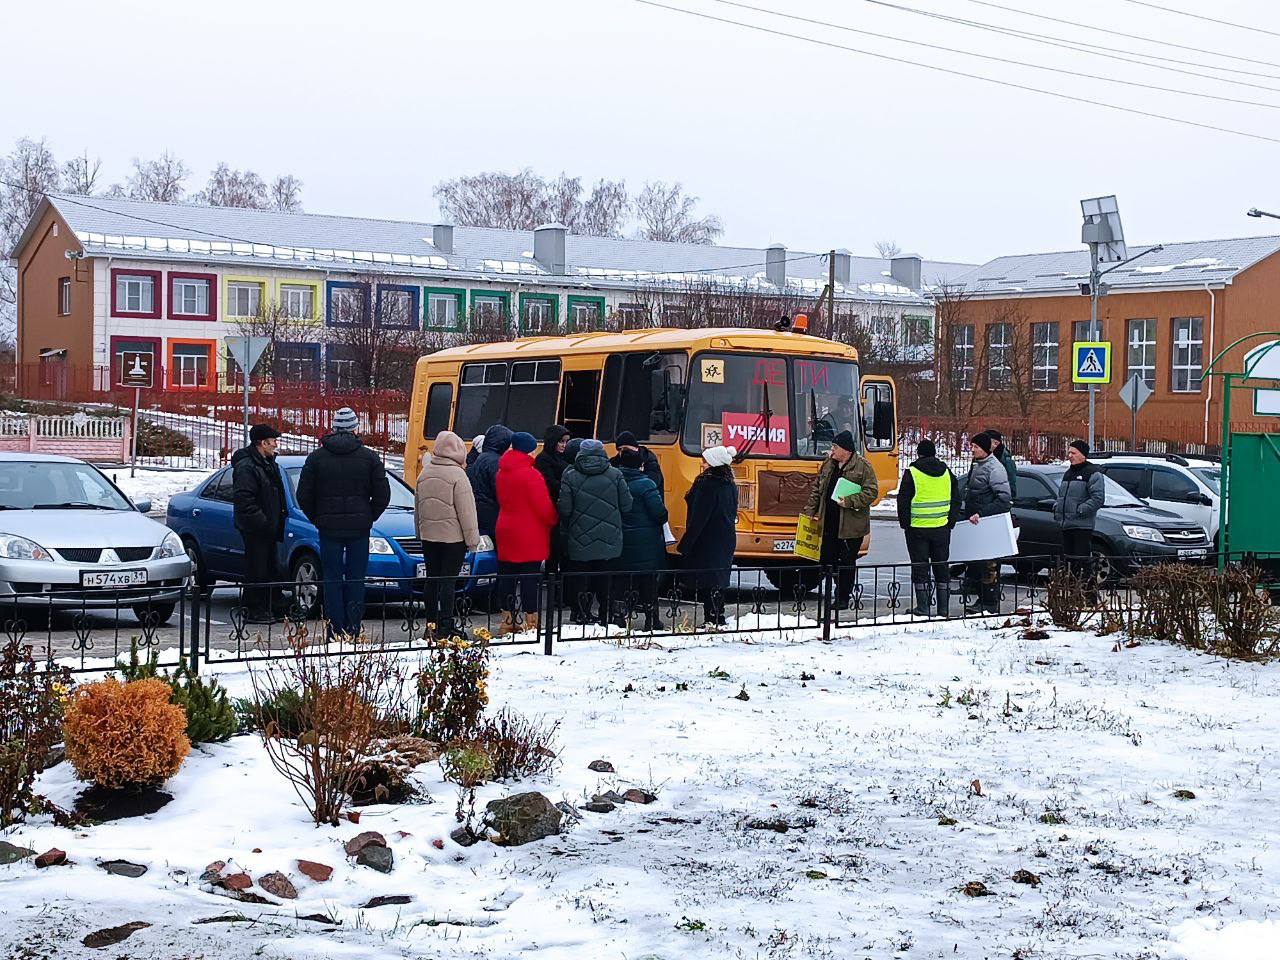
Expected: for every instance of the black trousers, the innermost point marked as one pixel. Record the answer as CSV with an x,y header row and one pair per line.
x,y
259,570
586,583
519,581
639,590
443,561
843,555
929,548
1076,546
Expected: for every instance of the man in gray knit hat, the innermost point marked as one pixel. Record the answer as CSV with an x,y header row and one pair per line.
x,y
343,489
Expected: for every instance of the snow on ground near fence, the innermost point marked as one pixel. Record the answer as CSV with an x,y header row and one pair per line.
x,y
155,485
859,747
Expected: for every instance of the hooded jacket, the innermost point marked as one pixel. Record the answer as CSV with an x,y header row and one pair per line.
x,y
1081,494
526,515
444,506
643,545
648,464
593,497
987,489
1010,468
551,464
343,488
931,467
259,505
855,510
711,532
483,475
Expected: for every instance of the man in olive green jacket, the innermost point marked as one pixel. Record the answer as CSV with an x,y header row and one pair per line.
x,y
846,524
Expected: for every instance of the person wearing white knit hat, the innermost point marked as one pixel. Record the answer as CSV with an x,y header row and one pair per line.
x,y
710,533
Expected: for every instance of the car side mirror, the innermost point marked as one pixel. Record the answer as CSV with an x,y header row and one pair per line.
x,y
142,506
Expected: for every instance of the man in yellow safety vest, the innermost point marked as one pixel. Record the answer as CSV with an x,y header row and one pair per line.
x,y
928,507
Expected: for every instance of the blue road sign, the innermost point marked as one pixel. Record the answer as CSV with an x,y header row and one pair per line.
x,y
1091,362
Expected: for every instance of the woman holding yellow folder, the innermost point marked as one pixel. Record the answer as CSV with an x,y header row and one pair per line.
x,y
840,500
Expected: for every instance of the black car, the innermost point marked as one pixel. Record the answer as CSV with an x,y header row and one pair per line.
x,y
1127,531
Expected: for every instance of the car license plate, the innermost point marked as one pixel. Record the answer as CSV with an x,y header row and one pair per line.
x,y
420,571
465,569
113,578
1187,552
784,546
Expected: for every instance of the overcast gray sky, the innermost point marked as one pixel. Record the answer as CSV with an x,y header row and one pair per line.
x,y
372,103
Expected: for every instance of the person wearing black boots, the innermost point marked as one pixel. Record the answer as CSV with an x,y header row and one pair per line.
x,y
644,549
928,507
986,494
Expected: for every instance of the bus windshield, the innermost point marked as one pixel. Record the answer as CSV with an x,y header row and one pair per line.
x,y
809,400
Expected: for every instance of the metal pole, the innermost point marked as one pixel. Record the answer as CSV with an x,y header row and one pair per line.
x,y
831,294
1224,475
1134,411
244,368
1094,279
133,455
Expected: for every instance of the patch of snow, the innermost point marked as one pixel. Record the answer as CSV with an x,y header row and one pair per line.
x,y
155,485
1239,939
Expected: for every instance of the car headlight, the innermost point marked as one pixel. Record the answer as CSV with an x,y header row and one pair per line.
x,y
20,548
170,546
1150,534
485,545
380,545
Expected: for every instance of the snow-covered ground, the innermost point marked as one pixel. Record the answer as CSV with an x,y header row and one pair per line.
x,y
907,761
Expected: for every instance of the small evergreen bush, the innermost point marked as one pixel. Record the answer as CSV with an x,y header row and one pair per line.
x,y
210,717
125,734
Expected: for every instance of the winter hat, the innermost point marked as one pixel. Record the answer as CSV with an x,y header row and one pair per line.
x,y
844,440
590,446
982,441
719,456
262,431
994,434
345,420
626,439
631,458
925,448
478,443
524,442
1081,446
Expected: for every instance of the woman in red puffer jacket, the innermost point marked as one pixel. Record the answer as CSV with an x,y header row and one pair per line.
x,y
526,517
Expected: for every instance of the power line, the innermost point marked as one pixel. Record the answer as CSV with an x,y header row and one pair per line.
x,y
1120,33
1197,16
960,73
1120,54
1005,60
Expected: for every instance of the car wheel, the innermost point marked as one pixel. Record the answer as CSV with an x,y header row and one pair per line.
x,y
1105,566
785,579
199,572
305,573
157,614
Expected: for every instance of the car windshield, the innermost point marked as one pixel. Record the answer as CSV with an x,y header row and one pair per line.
x,y
1210,475
401,495
45,485
1114,494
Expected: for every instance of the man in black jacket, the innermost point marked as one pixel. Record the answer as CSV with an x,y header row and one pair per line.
x,y
260,513
649,462
343,489
929,505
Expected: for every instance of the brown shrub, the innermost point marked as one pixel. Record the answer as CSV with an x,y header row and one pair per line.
x,y
1246,623
30,723
517,746
125,734
1069,599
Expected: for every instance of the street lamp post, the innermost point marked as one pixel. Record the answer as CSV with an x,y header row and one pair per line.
x,y
1255,212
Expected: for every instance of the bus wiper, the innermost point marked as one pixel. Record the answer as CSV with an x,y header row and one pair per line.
x,y
765,414
813,421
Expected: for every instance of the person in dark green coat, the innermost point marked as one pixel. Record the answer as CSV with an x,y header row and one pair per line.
x,y
1004,456
644,548
593,497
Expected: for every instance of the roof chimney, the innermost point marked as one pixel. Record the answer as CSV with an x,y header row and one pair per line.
x,y
775,264
906,270
442,237
548,247
844,267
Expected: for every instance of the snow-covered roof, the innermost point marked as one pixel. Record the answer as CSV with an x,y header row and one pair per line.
x,y
146,230
1189,264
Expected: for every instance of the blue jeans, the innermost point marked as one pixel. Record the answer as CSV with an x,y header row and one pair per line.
x,y
344,561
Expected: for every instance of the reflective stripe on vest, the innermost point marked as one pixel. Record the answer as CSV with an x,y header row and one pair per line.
x,y
931,506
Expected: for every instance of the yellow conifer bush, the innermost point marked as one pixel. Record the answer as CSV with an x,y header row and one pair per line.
x,y
125,734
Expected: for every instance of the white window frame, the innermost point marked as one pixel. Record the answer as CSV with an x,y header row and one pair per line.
x,y
1146,346
584,315
395,308
186,366
488,308
963,356
180,287
343,373
64,296
537,316
133,286
999,351
451,309
633,312
348,305
1044,356
293,297
1180,359
252,290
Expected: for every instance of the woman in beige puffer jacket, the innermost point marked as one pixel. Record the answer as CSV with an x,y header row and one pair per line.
x,y
445,518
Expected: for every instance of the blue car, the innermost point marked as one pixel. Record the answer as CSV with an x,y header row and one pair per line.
x,y
203,519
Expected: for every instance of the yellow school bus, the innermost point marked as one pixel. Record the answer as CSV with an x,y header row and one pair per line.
x,y
778,396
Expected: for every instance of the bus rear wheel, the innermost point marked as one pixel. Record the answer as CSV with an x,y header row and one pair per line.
x,y
786,579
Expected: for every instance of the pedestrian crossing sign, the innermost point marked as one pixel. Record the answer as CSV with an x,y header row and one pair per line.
x,y
1092,362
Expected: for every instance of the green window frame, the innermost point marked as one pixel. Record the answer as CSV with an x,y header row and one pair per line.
x,y
501,295
459,294
576,300
551,298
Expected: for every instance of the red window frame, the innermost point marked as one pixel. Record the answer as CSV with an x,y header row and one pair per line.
x,y
209,278
157,285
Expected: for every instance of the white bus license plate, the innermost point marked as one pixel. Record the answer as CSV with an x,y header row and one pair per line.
x,y
1189,552
784,546
113,578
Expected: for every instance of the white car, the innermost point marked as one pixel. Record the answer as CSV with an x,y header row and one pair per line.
x,y
1186,485
70,540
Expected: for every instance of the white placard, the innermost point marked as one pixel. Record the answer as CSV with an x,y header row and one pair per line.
x,y
988,539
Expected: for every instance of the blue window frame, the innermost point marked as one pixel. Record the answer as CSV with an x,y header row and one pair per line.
x,y
346,303
399,306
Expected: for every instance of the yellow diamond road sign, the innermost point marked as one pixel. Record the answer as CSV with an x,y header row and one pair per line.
x,y
1091,362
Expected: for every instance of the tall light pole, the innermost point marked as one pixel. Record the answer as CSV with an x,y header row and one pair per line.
x,y
1255,212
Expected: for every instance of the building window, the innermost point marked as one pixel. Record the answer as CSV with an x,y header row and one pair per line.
x,y
918,331
136,293
341,369
189,365
122,345
586,313
398,307
298,301
190,297
1044,356
348,303
1080,334
962,361
1188,354
999,356
446,308
244,300
632,315
538,313
64,296
1141,353
676,315
296,362
490,307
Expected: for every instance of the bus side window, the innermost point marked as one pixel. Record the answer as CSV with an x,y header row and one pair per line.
x,y
642,394
482,398
578,402
439,400
877,416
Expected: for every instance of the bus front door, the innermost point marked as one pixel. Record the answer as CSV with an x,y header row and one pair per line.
x,y
880,430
